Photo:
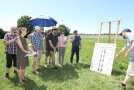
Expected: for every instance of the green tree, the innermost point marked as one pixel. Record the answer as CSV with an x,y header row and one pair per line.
x,y
23,21
2,33
63,28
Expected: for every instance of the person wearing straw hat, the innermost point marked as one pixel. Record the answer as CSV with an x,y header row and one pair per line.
x,y
52,44
129,51
46,46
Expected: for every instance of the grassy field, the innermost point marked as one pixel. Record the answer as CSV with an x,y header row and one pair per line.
x,y
70,77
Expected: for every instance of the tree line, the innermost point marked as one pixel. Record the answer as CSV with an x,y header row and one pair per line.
x,y
23,21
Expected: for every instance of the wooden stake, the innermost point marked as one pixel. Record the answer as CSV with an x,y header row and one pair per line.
x,y
100,32
110,21
117,30
109,36
109,32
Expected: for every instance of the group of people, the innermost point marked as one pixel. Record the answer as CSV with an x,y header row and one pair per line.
x,y
17,49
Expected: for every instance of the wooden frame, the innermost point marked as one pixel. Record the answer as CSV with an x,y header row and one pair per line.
x,y
109,36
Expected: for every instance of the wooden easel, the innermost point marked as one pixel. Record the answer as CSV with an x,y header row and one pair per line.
x,y
109,35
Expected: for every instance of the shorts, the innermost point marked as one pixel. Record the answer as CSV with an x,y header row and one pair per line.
x,y
38,57
11,58
130,70
47,54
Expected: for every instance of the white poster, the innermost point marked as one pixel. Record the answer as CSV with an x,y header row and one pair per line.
x,y
102,59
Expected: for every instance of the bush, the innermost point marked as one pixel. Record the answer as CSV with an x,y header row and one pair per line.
x,y
2,33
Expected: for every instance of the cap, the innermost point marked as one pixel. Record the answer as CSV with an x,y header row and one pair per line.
x,y
125,30
37,28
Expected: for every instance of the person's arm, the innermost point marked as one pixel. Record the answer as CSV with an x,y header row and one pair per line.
x,y
33,45
29,48
130,49
32,42
72,38
6,42
34,53
9,42
80,43
57,43
20,46
56,46
50,42
66,40
121,51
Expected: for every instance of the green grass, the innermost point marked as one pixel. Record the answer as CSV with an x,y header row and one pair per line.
x,y
70,77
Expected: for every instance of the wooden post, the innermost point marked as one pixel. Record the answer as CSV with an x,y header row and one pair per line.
x,y
117,30
109,32
100,32
109,36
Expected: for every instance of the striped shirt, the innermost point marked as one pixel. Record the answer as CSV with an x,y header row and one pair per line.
x,y
37,40
10,48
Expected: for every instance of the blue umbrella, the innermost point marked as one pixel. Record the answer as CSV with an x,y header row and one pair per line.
x,y
43,21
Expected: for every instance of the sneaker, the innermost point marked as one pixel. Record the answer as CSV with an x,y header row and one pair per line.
x,y
15,72
24,80
34,72
7,76
123,87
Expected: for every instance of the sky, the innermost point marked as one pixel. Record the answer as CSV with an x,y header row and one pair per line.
x,y
82,15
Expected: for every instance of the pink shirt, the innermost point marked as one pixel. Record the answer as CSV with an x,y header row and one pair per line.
x,y
61,41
